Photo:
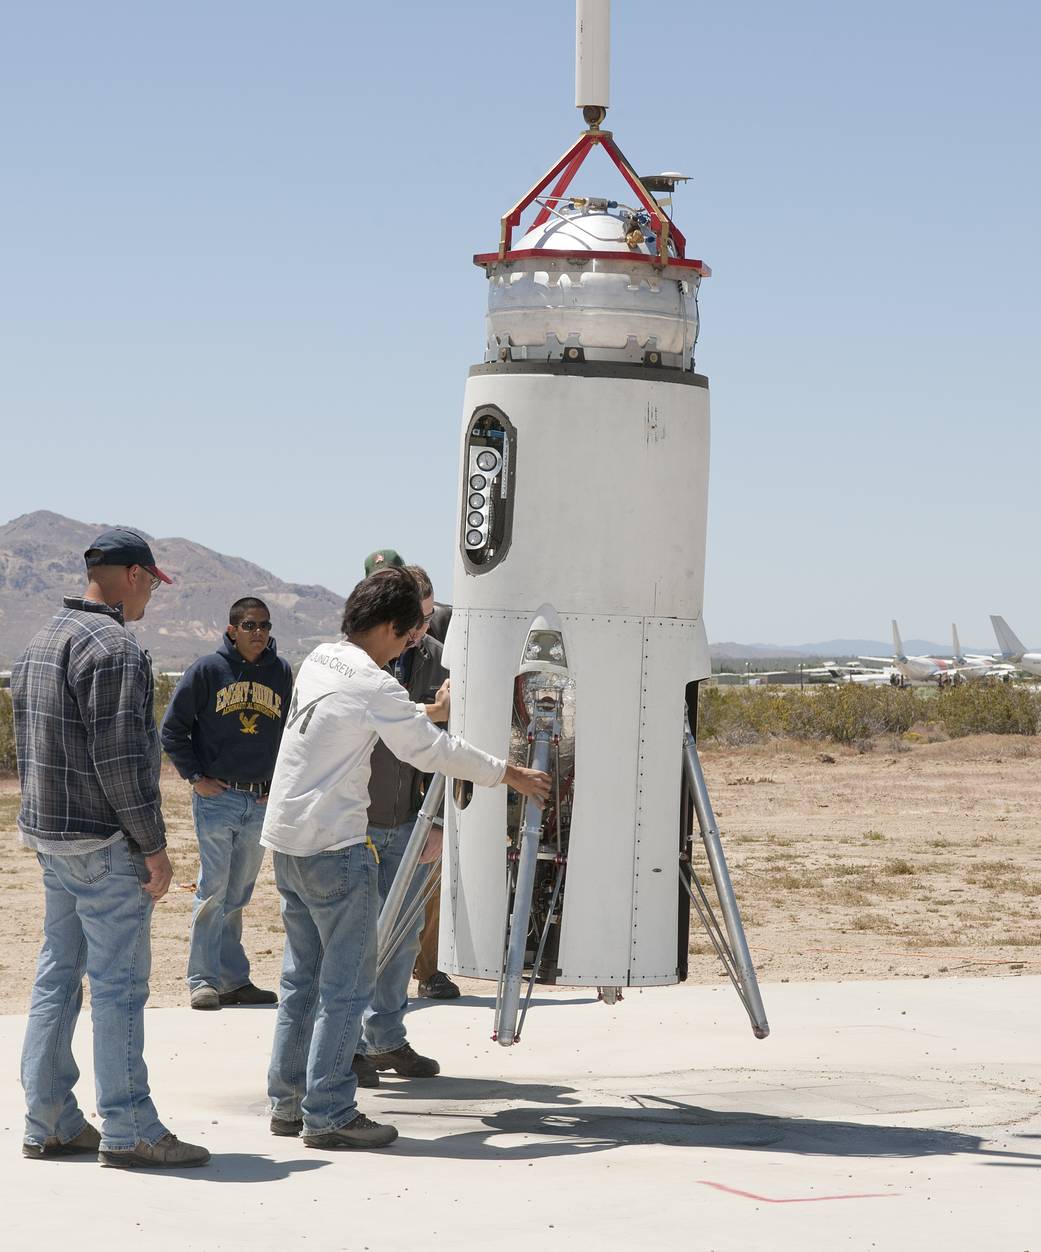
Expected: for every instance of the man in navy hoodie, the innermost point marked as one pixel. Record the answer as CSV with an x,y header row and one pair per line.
x,y
222,731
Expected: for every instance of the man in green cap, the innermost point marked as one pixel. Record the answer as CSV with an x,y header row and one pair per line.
x,y
382,558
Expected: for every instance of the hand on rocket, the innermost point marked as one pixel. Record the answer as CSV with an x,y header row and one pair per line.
x,y
529,782
438,711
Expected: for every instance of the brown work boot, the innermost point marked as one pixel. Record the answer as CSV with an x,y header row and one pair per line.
x,y
361,1133
88,1140
438,987
205,998
405,1061
365,1071
168,1153
286,1126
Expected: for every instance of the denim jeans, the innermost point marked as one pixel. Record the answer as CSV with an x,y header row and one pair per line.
x,y
384,1019
230,856
330,904
96,919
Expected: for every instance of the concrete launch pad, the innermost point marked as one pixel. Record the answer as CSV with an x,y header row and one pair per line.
x,y
877,1115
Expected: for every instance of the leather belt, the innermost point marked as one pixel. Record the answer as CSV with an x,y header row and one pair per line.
x,y
254,788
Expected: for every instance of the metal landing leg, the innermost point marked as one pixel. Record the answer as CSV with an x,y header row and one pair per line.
x,y
543,733
731,947
389,930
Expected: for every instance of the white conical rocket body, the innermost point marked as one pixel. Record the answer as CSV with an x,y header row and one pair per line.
x,y
589,545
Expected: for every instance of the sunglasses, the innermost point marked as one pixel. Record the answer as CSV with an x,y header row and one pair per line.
x,y
250,627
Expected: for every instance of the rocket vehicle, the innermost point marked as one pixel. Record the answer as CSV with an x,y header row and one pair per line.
x,y
577,640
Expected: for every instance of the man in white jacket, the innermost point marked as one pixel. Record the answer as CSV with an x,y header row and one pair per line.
x,y
325,866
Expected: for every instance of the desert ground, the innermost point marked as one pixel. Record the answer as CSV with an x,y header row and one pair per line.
x,y
913,859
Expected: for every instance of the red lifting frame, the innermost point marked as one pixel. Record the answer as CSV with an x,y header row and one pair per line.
x,y
567,167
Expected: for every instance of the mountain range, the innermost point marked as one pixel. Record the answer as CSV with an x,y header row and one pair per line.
x,y
41,560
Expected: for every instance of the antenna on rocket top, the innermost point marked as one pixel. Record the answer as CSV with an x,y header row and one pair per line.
x,y
592,95
593,59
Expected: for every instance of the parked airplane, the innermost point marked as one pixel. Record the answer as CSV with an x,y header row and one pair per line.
x,y
974,665
1012,650
916,669
852,671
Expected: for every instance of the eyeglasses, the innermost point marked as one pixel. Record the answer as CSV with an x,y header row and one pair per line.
x,y
428,618
250,627
155,582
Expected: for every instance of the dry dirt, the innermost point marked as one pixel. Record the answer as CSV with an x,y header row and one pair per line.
x,y
909,860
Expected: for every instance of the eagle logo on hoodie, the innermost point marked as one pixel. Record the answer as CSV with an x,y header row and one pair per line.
x,y
249,724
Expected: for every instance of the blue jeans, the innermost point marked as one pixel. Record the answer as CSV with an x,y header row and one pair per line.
x,y
96,920
383,1022
330,904
230,856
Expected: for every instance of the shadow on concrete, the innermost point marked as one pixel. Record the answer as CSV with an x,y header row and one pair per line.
x,y
475,1090
488,1002
577,1131
246,1167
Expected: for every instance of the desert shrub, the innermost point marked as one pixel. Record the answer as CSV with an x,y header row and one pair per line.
x,y
850,712
853,714
8,764
843,714
164,688
987,708
741,714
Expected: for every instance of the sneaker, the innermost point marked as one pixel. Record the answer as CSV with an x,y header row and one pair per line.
x,y
88,1140
361,1133
168,1153
405,1061
365,1071
286,1126
246,995
438,987
205,998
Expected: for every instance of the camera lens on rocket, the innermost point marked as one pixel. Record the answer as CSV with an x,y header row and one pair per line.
x,y
476,500
478,482
486,460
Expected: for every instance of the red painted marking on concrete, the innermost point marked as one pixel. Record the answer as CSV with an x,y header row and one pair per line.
x,y
797,1199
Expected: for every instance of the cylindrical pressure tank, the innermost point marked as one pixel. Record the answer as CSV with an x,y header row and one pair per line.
x,y
578,592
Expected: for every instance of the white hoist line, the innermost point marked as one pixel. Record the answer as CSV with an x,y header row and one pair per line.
x,y
592,53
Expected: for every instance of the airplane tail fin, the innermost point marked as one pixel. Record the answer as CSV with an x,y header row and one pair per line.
x,y
956,642
1008,641
898,647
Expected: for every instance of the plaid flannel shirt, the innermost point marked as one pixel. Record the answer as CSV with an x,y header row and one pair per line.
x,y
85,734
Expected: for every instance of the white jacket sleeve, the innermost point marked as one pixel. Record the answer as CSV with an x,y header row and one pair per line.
x,y
407,731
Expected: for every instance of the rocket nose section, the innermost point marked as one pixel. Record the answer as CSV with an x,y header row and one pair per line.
x,y
544,647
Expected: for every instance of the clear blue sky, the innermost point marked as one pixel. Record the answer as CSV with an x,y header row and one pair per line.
x,y
238,305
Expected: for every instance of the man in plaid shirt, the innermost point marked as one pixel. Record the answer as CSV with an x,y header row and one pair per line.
x,y
88,763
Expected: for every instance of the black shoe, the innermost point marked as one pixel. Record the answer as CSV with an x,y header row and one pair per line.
x,y
361,1133
405,1061
247,995
365,1071
286,1126
439,987
88,1140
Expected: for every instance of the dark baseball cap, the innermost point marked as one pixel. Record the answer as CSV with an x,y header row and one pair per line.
x,y
120,546
382,558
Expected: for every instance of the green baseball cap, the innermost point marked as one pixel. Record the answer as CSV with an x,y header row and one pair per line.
x,y
382,558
